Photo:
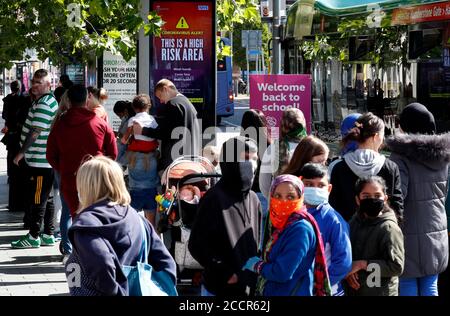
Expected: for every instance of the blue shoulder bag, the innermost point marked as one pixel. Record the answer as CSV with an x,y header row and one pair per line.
x,y
143,280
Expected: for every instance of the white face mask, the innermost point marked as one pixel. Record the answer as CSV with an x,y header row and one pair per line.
x,y
316,196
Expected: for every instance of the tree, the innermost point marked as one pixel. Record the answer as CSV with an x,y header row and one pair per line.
x,y
71,30
232,14
390,41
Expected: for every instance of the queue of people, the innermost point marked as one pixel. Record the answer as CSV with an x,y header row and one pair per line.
x,y
367,225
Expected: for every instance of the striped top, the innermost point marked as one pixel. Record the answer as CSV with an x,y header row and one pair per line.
x,y
40,117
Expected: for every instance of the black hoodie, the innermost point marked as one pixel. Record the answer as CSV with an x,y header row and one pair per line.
x,y
227,230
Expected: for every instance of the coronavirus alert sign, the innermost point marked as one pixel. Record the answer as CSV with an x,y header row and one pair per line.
x,y
185,52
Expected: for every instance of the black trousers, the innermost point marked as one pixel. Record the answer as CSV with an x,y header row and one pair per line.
x,y
18,181
41,199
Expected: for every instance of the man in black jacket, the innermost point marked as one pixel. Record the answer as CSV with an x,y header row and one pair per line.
x,y
15,110
178,126
227,229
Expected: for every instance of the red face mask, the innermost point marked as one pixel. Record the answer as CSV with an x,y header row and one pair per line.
x,y
281,210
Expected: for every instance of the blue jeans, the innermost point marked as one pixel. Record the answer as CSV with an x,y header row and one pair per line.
x,y
424,286
65,221
142,171
121,151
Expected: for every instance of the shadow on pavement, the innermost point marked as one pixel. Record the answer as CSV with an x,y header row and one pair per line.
x,y
28,282
32,270
6,240
36,259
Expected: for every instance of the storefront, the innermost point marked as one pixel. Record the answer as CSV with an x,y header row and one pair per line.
x,y
416,68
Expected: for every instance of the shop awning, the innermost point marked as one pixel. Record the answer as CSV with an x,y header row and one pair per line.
x,y
392,12
350,7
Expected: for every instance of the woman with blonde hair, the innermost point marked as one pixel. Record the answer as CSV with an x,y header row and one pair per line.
x,y
63,106
64,219
106,233
96,99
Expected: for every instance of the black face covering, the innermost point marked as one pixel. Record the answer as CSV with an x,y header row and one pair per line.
x,y
237,174
371,207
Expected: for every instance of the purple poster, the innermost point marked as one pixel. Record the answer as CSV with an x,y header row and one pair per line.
x,y
185,51
272,94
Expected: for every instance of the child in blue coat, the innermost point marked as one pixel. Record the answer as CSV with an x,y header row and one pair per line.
x,y
293,262
334,229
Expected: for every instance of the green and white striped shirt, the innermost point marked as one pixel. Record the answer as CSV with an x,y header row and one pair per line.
x,y
40,117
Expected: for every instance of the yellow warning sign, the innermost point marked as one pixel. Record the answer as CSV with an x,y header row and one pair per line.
x,y
182,24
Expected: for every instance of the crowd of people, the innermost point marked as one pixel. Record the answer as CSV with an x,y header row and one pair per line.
x,y
285,218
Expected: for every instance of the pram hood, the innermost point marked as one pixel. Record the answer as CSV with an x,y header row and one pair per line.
x,y
187,165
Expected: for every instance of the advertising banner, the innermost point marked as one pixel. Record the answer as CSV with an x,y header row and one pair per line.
x,y
185,52
119,80
421,13
75,73
272,94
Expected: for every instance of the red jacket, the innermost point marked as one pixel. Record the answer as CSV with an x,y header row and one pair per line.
x,y
77,134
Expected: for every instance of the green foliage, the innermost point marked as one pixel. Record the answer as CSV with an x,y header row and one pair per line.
x,y
390,42
320,49
105,25
234,16
43,25
222,49
232,12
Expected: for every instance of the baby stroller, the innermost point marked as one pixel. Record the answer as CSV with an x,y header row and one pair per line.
x,y
178,215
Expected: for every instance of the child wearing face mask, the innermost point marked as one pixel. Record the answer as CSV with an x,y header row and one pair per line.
x,y
293,261
377,243
334,229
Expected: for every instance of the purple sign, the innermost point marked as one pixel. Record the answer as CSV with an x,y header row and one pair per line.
x,y
272,94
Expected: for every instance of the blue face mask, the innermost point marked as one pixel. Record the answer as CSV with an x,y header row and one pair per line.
x,y
315,196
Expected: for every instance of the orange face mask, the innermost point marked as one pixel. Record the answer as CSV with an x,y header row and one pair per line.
x,y
281,210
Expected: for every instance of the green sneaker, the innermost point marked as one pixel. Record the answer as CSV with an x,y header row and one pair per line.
x,y
26,242
47,240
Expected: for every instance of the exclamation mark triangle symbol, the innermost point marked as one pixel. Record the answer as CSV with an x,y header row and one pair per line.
x,y
182,24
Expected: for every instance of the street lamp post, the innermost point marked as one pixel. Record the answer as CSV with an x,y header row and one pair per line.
x,y
276,50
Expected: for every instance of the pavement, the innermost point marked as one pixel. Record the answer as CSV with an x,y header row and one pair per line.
x,y
25,272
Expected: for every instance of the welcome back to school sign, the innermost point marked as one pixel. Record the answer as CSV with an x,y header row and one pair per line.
x,y
273,94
